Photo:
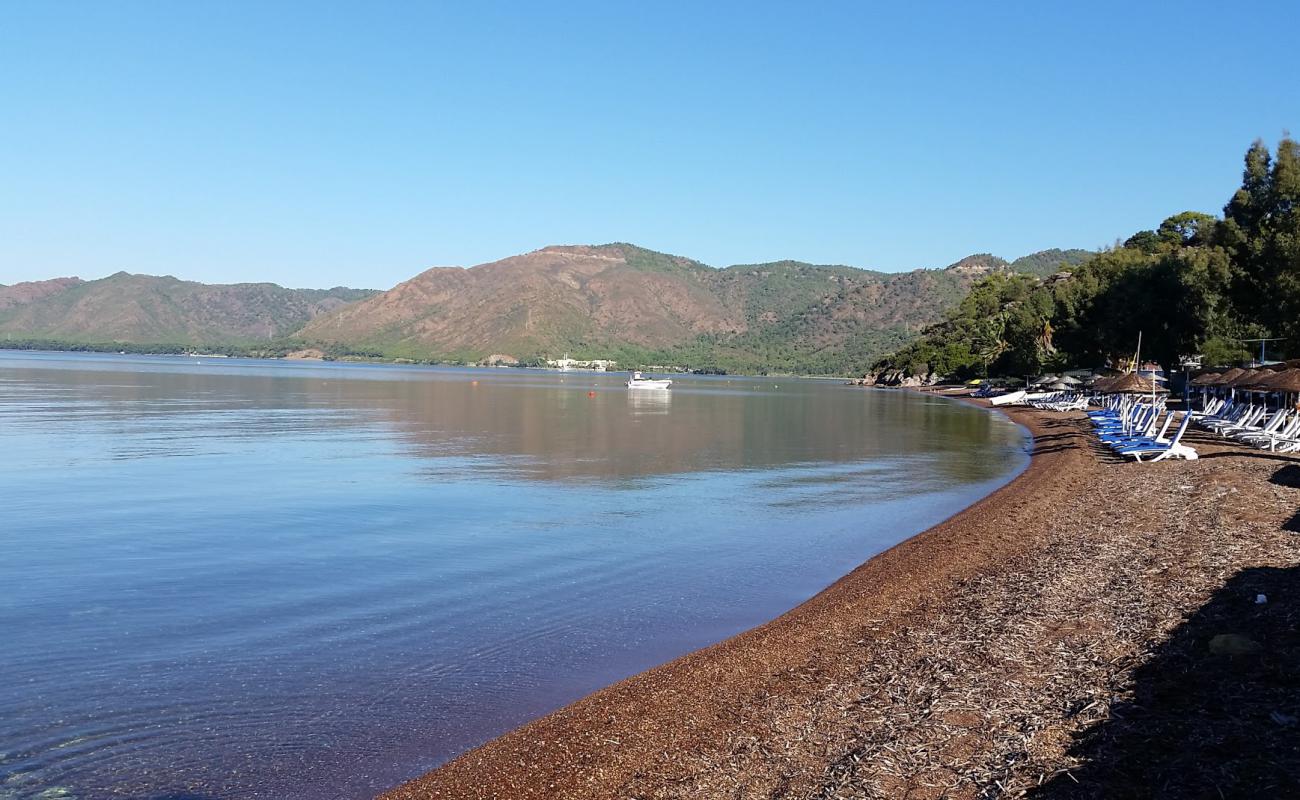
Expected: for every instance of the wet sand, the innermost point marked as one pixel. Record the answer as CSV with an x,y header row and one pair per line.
x,y
1007,652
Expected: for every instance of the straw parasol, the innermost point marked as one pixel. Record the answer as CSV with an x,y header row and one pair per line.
x,y
1276,381
1286,381
1132,383
1043,380
1228,377
1246,378
1256,382
1205,379
1070,380
1100,383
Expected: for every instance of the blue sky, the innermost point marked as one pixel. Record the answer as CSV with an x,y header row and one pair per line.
x,y
318,144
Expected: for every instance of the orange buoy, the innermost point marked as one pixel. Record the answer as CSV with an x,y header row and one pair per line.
x,y
591,394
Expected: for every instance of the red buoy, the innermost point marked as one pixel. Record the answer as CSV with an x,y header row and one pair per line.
x,y
591,394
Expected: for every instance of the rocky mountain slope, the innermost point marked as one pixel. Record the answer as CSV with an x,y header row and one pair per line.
x,y
634,304
31,291
537,302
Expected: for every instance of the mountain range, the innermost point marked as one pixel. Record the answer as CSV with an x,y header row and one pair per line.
x,y
615,301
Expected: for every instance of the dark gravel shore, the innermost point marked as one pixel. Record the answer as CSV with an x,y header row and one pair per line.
x,y
1091,630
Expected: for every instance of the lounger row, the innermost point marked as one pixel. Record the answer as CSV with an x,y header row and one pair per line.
x,y
1140,430
1061,401
1278,430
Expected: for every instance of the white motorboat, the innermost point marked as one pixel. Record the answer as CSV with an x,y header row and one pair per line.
x,y
639,381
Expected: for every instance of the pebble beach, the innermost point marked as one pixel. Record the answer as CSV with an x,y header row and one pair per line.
x,y
1093,629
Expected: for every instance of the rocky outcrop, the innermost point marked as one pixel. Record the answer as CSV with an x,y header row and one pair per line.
x,y
897,377
309,354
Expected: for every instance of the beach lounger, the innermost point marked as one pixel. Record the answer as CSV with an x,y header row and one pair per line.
x,y
1221,411
1159,451
1233,418
1248,421
1148,435
1139,421
1287,432
1273,424
1214,406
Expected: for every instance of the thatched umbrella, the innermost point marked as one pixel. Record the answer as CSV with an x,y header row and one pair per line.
x,y
1132,383
1203,382
1100,384
1261,381
1285,381
1228,377
1275,381
1246,378
1067,379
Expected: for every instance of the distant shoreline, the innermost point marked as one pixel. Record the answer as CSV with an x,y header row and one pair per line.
x,y
293,355
972,656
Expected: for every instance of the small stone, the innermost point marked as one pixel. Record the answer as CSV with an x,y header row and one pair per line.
x,y
1234,644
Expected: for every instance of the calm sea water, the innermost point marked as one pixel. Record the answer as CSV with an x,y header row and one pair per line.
x,y
243,579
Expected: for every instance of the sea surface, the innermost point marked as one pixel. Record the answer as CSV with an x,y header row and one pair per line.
x,y
225,578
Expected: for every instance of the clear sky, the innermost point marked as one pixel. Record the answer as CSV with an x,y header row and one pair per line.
x,y
318,143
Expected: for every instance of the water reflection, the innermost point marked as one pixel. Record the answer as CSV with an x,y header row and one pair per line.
x,y
249,579
546,426
649,402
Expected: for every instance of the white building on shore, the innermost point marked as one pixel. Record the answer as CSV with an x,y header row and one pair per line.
x,y
566,363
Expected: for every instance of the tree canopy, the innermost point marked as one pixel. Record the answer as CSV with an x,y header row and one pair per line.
x,y
1195,285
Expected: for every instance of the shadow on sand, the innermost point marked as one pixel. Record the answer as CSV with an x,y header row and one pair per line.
x,y
1215,712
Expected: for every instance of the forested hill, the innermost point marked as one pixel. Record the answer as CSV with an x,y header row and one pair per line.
x,y
145,309
642,307
1197,285
1047,262
617,301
